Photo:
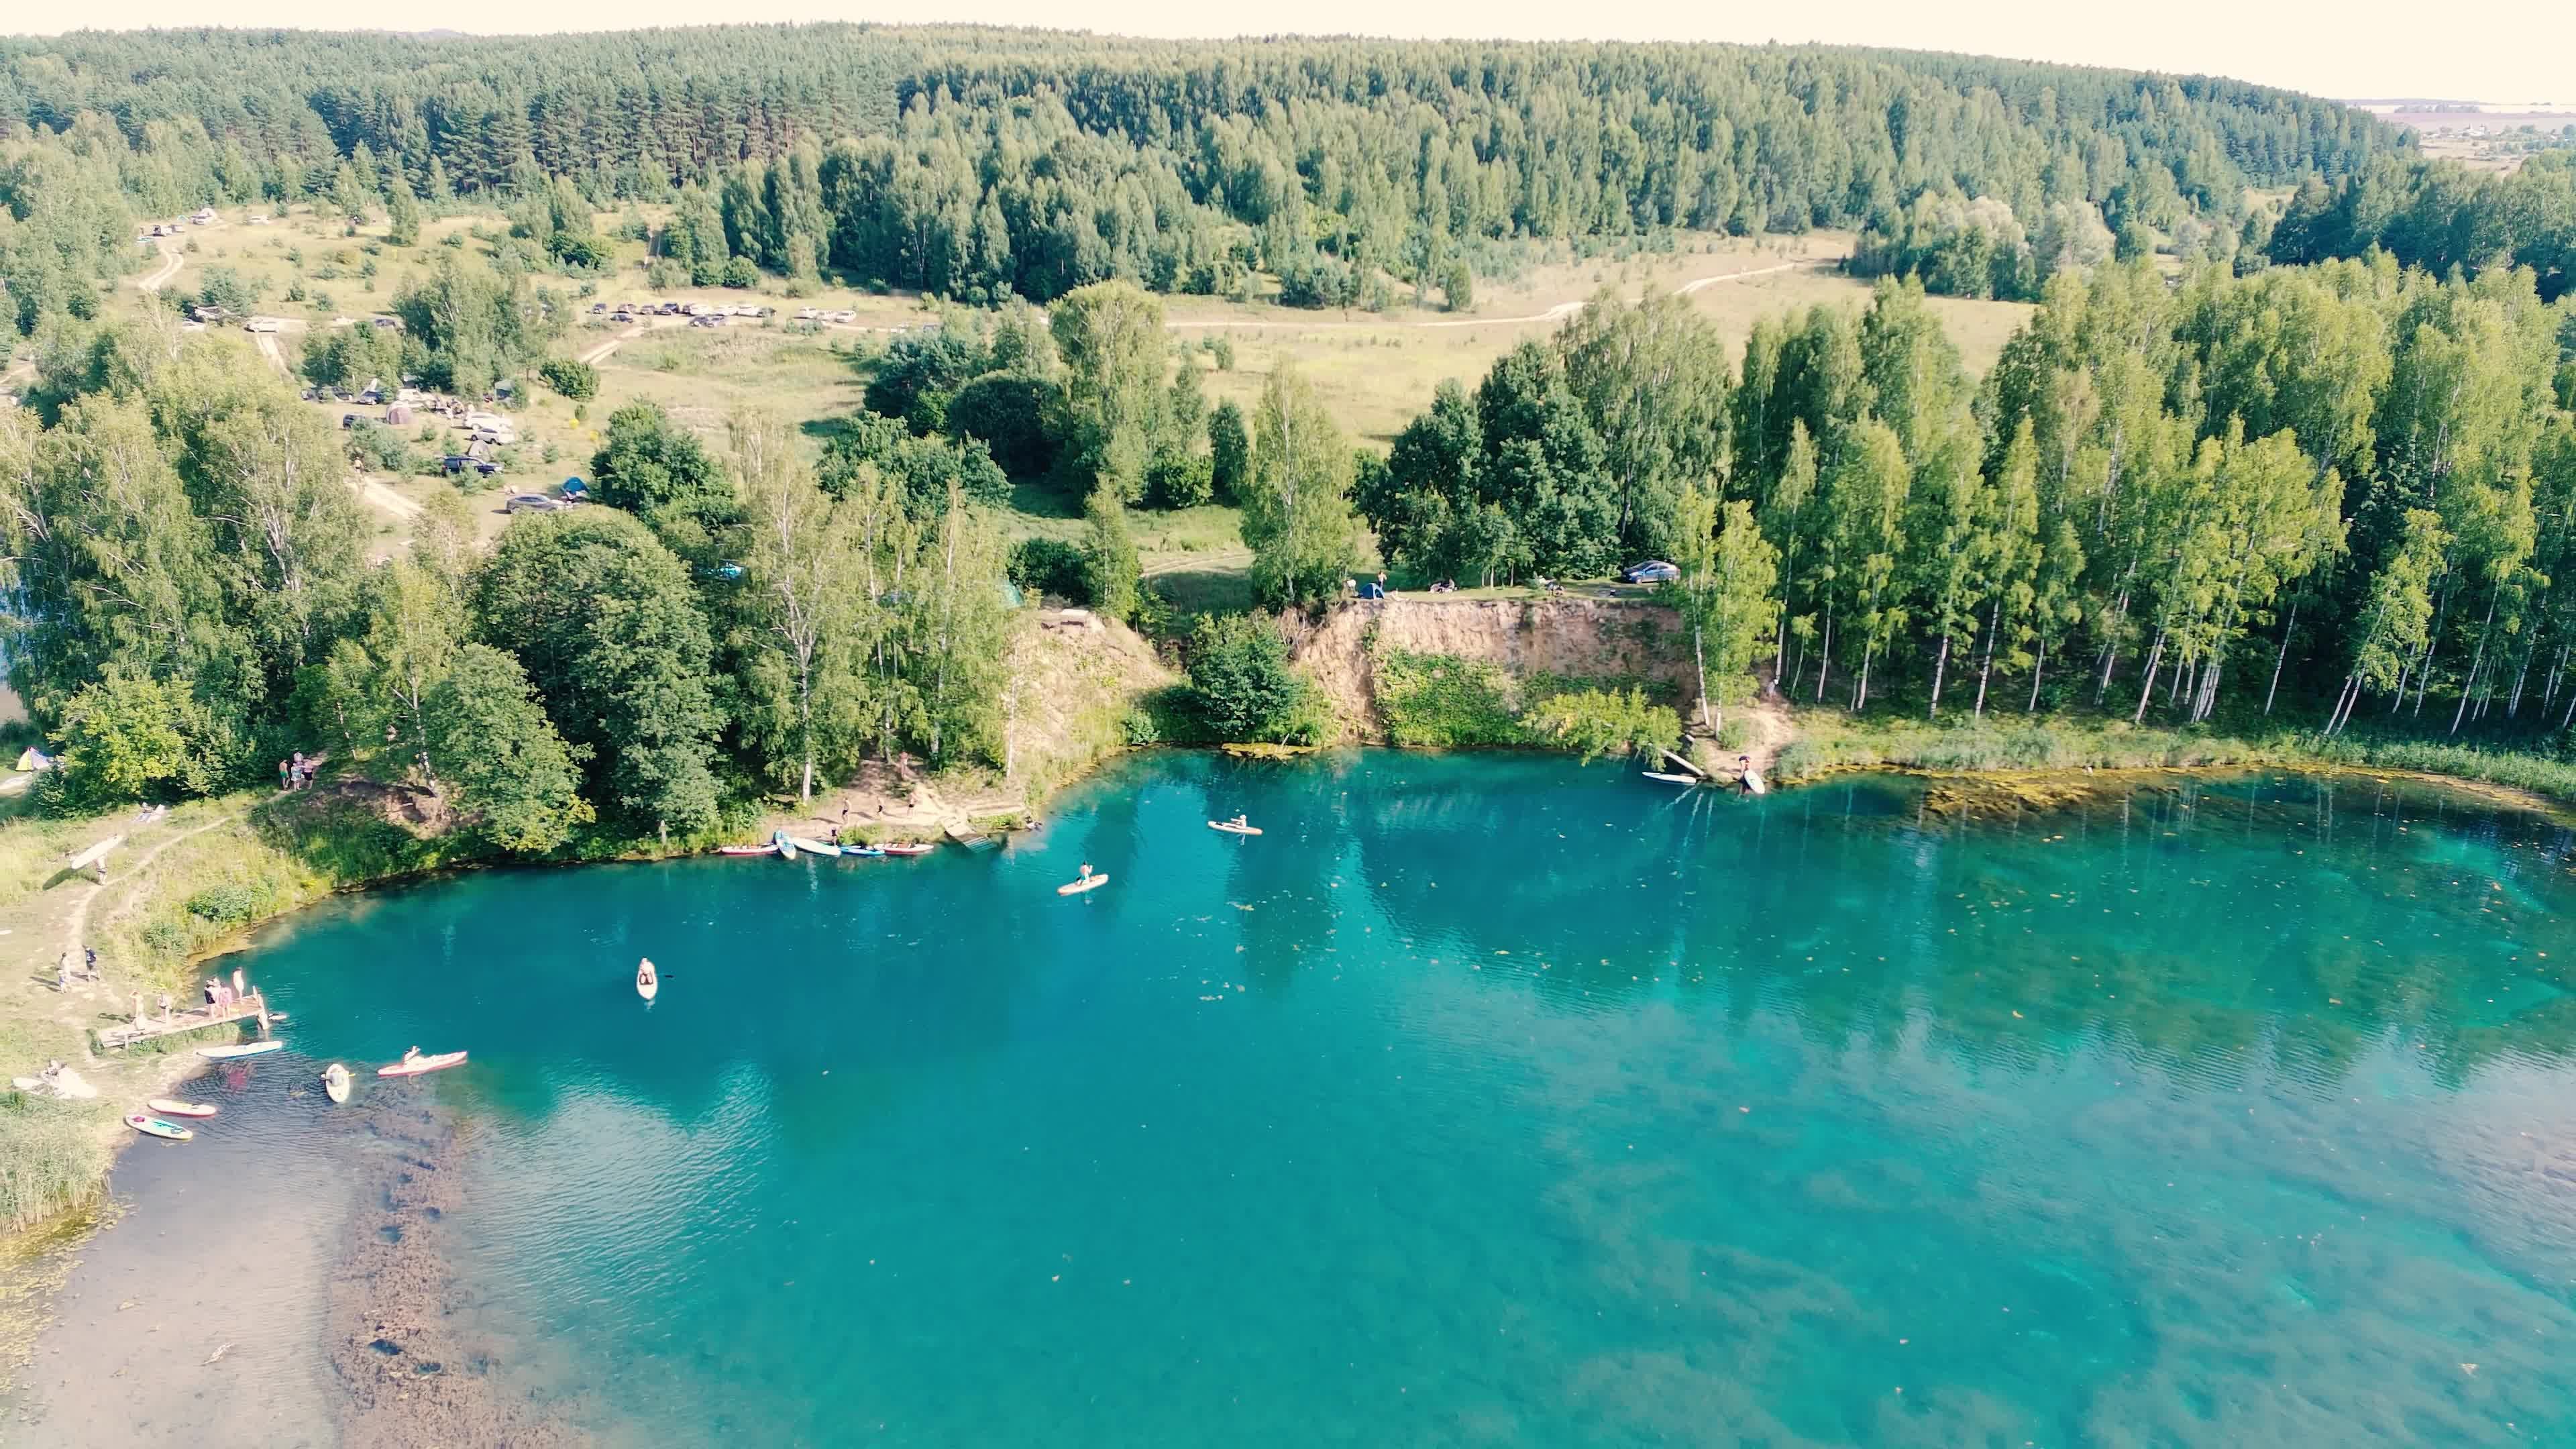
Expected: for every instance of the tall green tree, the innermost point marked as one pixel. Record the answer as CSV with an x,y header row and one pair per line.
x,y
605,620
1110,335
513,775
1728,574
1296,503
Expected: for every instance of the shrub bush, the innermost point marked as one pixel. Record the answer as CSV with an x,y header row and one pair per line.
x,y
1245,688
1050,566
571,377
228,904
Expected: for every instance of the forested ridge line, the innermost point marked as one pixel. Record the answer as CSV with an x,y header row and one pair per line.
x,y
988,163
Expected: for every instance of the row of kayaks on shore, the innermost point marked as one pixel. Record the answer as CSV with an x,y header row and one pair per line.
x,y
791,846
156,1122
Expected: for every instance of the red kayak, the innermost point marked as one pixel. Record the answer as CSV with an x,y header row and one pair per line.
x,y
413,1066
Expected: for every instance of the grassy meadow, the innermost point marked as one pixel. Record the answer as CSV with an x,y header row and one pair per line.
x,y
1376,370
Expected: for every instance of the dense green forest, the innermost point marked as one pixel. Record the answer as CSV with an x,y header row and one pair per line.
x,y
2353,479
2438,216
984,163
2329,471
190,602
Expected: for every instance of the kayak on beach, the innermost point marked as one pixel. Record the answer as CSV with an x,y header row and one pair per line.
x,y
907,847
168,1108
155,1127
414,1064
240,1049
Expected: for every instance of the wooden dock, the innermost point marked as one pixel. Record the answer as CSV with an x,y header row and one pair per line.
x,y
253,1007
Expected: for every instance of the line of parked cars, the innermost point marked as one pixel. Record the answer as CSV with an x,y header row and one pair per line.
x,y
696,311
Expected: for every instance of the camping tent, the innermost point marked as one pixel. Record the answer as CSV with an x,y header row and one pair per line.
x,y
32,759
399,415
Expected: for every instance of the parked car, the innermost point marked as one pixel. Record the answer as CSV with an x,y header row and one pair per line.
x,y
1652,571
533,503
348,420
599,306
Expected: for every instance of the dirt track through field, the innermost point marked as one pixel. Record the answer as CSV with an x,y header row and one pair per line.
x,y
1557,313
171,260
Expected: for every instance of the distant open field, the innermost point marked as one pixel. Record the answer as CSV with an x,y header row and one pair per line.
x,y
1377,370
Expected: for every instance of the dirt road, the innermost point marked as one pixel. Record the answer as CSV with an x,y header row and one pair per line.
x,y
171,260
1557,313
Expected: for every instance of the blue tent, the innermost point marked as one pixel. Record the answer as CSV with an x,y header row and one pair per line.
x,y
575,488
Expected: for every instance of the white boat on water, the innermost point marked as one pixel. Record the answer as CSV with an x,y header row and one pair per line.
x,y
414,1064
648,982
241,1049
335,1082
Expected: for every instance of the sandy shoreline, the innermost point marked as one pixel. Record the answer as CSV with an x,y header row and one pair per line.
x,y
288,1281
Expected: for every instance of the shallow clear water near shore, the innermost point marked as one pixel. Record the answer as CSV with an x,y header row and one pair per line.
x,y
1492,1100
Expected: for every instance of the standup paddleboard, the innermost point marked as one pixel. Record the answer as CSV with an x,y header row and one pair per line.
x,y
416,1066
1671,779
648,982
243,1049
155,1127
168,1108
1230,828
335,1081
1077,887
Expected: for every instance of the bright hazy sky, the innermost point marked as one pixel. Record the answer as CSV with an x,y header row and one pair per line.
x,y
2507,50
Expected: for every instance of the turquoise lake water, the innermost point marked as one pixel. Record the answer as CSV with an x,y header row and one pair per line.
x,y
1491,1100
